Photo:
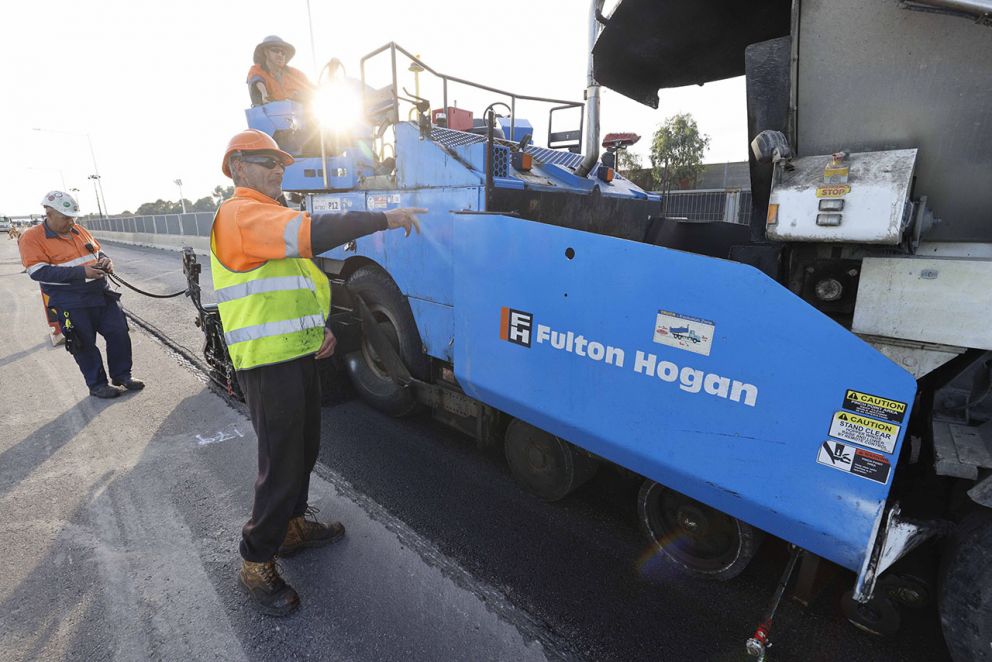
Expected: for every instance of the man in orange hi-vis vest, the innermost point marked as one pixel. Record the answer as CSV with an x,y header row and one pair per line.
x,y
271,78
71,267
274,304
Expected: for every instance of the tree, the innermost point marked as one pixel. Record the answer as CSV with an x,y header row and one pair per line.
x,y
629,165
222,193
677,152
628,161
160,206
206,203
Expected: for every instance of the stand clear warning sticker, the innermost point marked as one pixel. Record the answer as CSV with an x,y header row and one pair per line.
x,y
867,404
864,431
855,461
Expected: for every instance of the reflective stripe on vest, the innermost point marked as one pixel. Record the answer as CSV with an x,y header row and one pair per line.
x,y
232,292
269,329
273,313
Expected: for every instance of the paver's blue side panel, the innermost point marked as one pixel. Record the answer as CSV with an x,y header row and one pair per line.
x,y
420,265
436,323
705,375
425,164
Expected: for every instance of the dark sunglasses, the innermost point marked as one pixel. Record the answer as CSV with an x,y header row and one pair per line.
x,y
277,50
267,162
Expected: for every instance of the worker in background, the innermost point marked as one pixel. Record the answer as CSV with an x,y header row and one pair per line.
x,y
272,79
273,303
67,261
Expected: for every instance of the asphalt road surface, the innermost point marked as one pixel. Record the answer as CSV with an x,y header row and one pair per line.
x,y
579,570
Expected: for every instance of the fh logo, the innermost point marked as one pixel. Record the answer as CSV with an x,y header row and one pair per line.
x,y
515,326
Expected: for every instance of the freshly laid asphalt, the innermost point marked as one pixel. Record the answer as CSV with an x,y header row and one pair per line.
x,y
119,523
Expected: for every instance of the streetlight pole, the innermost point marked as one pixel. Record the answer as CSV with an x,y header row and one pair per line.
x,y
96,180
99,180
182,201
98,185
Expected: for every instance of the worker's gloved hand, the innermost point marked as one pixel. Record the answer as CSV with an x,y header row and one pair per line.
x,y
327,347
92,272
105,264
405,217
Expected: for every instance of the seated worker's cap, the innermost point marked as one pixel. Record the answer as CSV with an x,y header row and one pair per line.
x,y
273,40
62,203
252,140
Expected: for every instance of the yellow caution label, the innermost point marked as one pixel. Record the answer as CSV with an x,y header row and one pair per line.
x,y
874,406
864,431
836,171
833,191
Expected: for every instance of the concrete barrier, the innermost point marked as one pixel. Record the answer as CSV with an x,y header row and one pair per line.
x,y
201,245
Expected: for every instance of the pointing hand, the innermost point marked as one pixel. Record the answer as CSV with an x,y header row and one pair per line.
x,y
405,217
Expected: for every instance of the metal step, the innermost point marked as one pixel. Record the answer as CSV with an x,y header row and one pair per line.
x,y
962,450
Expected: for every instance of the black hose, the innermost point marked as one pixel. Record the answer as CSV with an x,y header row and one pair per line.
x,y
114,278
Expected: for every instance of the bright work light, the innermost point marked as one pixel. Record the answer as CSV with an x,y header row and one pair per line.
x,y
338,105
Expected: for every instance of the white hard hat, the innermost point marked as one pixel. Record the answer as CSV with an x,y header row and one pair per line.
x,y
62,203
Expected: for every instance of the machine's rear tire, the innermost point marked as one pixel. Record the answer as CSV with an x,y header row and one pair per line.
x,y
547,465
392,312
879,616
965,602
698,540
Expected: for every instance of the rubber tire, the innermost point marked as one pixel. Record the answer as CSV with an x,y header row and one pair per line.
x,y
748,538
965,602
381,294
880,617
567,467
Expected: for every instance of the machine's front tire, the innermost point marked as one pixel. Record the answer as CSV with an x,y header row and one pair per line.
x,y
391,311
698,540
965,603
547,465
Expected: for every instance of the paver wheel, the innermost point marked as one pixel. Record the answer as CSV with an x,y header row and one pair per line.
x,y
547,465
392,313
965,602
699,540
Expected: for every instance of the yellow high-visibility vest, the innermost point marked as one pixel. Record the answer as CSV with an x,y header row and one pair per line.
x,y
273,313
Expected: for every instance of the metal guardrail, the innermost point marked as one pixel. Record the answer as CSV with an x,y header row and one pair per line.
x,y
709,205
193,224
696,205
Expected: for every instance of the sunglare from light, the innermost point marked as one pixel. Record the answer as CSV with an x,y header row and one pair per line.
x,y
338,105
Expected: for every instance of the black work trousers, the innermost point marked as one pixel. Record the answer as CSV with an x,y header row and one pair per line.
x,y
284,404
107,320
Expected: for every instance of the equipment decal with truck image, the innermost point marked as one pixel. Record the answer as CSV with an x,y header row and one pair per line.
x,y
683,332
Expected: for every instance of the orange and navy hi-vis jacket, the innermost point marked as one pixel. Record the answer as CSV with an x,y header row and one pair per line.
x,y
293,84
252,228
57,261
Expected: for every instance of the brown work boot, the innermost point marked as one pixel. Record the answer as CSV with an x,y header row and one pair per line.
x,y
269,593
305,531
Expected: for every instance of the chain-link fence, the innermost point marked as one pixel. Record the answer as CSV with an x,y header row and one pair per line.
x,y
194,224
709,205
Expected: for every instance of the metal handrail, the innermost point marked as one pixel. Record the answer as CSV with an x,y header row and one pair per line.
x,y
393,47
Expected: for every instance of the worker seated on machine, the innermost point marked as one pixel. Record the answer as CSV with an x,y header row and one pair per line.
x,y
272,79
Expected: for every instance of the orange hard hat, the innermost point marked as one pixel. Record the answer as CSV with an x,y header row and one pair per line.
x,y
253,140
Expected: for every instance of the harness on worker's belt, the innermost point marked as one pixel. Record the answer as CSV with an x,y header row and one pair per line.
x,y
73,343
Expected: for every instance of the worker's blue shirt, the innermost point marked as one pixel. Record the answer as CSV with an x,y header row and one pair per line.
x,y
56,261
